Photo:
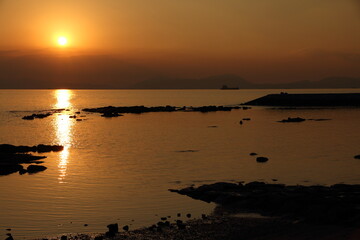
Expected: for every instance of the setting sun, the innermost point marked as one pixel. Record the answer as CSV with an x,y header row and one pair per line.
x,y
62,41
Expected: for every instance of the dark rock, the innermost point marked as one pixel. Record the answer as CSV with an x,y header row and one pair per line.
x,y
10,237
9,169
253,154
73,116
22,171
99,238
319,119
160,224
49,148
289,119
77,112
28,117
180,224
33,116
35,168
85,225
357,157
178,215
113,229
241,122
63,237
262,159
308,100
7,148
126,228
187,151
163,218
78,120
246,119
188,215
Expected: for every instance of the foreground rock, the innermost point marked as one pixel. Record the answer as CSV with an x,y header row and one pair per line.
x,y
337,204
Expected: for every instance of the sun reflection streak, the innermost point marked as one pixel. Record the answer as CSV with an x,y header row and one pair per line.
x,y
63,126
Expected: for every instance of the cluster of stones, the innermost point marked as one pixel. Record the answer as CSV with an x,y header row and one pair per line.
x,y
12,157
111,111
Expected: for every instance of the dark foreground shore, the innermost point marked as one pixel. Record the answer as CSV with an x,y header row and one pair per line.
x,y
257,211
238,228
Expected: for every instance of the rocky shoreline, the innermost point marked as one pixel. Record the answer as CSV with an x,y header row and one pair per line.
x,y
282,212
336,204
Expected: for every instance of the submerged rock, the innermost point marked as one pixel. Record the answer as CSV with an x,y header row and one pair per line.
x,y
111,114
35,168
289,119
262,159
40,115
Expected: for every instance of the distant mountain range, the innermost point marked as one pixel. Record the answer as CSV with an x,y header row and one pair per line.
x,y
216,82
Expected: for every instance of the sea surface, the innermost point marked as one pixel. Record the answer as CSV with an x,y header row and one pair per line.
x,y
120,169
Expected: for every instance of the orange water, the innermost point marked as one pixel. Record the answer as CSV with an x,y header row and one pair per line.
x,y
119,169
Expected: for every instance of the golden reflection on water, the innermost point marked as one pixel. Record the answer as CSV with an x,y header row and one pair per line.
x,y
63,127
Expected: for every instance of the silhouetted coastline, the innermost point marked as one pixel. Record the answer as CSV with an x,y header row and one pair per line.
x,y
256,210
300,100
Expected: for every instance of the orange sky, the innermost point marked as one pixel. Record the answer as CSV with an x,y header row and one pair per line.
x,y
261,41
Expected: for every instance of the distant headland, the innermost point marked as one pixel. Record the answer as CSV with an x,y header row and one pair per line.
x,y
298,100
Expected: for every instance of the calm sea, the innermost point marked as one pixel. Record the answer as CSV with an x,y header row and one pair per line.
x,y
120,169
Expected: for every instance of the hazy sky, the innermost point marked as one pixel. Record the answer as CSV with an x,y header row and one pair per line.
x,y
260,40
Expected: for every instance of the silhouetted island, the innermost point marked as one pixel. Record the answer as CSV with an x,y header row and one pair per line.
x,y
112,111
306,100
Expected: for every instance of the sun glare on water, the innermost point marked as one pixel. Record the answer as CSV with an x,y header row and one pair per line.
x,y
62,41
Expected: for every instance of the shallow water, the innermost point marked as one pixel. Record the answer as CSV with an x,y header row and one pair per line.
x,y
119,169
